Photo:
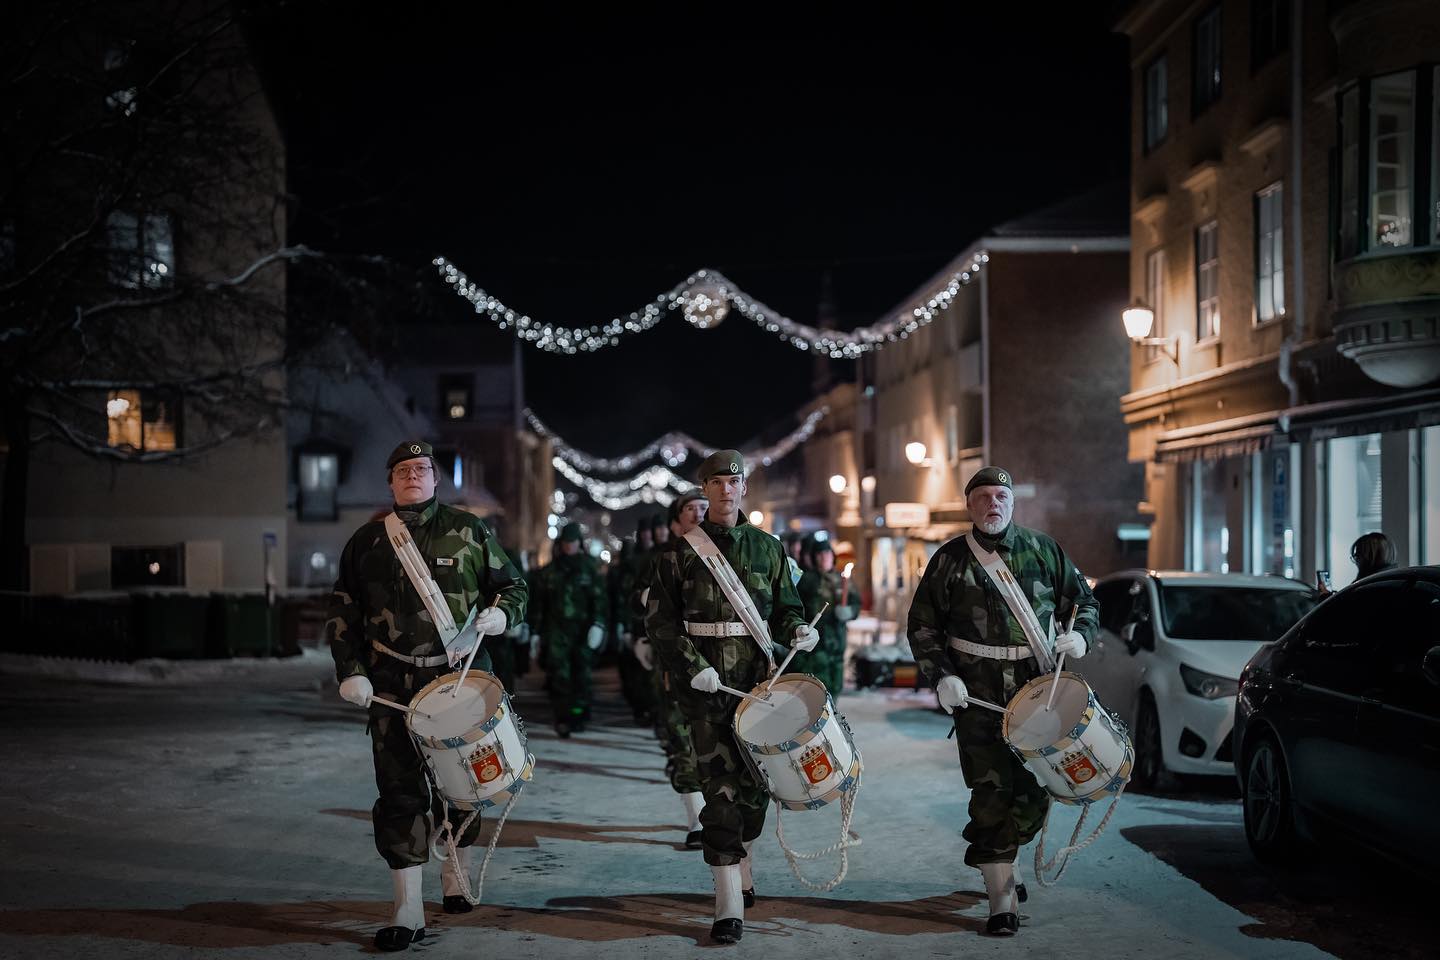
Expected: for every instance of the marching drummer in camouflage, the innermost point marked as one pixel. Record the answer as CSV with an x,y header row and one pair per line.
x,y
972,637
822,584
386,644
569,610
702,637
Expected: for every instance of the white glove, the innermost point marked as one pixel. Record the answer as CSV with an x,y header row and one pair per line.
x,y
645,653
595,639
706,681
489,622
806,638
1071,644
952,694
357,690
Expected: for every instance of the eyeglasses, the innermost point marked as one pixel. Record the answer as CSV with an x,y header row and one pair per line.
x,y
418,471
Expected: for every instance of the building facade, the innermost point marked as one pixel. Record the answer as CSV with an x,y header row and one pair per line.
x,y
1284,258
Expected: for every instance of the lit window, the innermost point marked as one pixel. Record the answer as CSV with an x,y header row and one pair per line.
x,y
319,486
141,249
1269,253
1155,297
1207,282
142,421
1392,123
457,396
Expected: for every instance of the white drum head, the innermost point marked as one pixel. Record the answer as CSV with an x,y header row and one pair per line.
x,y
456,716
1031,726
798,702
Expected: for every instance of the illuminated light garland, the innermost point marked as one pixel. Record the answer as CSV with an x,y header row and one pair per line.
x,y
705,298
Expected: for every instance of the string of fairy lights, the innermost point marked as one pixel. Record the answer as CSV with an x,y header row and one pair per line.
x,y
705,298
656,483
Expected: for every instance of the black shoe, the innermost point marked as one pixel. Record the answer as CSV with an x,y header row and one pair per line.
x,y
577,724
749,896
457,904
643,718
692,839
727,931
393,939
1002,925
1020,893
562,730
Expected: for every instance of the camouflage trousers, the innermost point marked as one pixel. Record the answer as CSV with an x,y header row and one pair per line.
x,y
672,729
1007,804
827,667
636,683
407,810
735,801
567,670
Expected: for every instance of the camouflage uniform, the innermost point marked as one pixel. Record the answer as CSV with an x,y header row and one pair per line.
x,y
684,590
672,726
569,599
827,661
375,602
635,681
955,598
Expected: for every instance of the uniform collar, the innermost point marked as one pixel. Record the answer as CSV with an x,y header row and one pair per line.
x,y
417,514
733,533
1006,538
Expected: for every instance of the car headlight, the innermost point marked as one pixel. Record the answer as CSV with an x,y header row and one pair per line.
x,y
1208,685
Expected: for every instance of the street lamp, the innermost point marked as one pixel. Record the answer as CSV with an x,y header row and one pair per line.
x,y
1139,320
915,452
757,517
837,483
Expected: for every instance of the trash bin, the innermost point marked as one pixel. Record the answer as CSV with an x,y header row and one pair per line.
x,y
243,625
171,624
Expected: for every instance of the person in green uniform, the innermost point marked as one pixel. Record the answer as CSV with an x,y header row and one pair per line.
x,y
385,644
967,641
635,682
569,611
701,639
819,585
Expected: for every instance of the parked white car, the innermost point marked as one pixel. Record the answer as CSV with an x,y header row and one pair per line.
x,y
1169,654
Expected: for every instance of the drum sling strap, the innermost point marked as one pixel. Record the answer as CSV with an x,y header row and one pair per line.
x,y
413,562
994,566
733,589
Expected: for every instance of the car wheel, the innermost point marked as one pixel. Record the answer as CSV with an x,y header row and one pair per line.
x,y
1268,803
1149,767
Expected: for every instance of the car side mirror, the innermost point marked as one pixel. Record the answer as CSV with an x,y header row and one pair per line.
x,y
1138,636
1430,666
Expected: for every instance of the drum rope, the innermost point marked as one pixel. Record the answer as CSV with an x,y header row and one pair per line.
x,y
847,810
449,835
1063,855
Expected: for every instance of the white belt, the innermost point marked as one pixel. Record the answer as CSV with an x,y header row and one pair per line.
x,y
990,652
416,661
729,628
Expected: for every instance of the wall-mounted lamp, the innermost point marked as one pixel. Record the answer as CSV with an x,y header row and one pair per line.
x,y
838,483
1139,320
915,452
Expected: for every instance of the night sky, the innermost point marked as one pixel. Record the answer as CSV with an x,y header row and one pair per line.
x,y
579,165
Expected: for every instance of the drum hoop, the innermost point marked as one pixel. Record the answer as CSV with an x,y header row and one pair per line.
x,y
805,735
852,777
1092,707
470,736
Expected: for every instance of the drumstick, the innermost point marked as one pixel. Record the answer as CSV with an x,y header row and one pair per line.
x,y
791,655
1060,661
986,704
400,706
473,650
742,693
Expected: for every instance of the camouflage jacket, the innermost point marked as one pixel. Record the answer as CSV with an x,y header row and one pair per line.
x,y
569,592
817,589
955,598
685,590
374,599
634,573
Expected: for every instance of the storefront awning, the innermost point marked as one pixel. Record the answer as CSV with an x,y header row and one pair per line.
x,y
1352,418
1216,441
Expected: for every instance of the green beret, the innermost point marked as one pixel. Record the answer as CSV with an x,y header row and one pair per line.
x,y
989,477
729,463
409,450
679,503
570,533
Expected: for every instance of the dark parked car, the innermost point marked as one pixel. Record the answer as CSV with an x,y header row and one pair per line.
x,y
1337,724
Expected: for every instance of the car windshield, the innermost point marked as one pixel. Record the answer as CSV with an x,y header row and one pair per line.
x,y
1231,613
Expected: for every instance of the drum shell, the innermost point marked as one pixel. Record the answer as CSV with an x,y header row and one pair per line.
x,y
484,765
815,767
1089,761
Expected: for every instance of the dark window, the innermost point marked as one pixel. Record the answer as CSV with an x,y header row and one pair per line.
x,y
148,566
1349,199
457,397
1269,30
7,247
1231,613
141,250
1115,603
1337,643
1412,630
1207,55
1157,104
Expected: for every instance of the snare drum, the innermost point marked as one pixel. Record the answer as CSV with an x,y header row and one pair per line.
x,y
474,742
801,747
1076,749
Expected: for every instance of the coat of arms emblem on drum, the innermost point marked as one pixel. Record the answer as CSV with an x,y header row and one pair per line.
x,y
485,765
816,764
1078,767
